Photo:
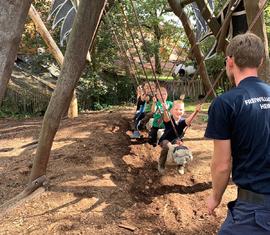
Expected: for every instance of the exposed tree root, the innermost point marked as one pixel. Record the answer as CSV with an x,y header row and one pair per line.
x,y
33,189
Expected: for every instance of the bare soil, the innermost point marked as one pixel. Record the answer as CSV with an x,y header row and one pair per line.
x,y
101,182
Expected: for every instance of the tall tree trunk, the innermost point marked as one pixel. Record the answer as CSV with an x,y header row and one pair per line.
x,y
252,8
157,51
179,11
56,52
12,19
82,34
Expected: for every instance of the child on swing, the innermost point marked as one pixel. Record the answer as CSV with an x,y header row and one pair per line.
x,y
150,93
158,108
144,103
139,112
169,137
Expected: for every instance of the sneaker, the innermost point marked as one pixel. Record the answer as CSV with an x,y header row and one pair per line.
x,y
135,135
152,142
181,170
161,169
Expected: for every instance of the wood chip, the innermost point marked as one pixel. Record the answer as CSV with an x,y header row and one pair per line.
x,y
127,226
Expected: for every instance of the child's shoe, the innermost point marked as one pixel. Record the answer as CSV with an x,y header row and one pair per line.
x,y
181,170
135,135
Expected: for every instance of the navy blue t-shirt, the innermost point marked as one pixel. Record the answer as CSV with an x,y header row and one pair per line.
x,y
169,133
243,116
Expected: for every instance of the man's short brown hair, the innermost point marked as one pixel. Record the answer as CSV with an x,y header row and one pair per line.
x,y
247,50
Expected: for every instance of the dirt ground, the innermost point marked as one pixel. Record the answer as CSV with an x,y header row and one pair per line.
x,y
100,181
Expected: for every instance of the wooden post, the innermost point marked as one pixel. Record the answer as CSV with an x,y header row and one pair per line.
x,y
56,52
12,19
82,35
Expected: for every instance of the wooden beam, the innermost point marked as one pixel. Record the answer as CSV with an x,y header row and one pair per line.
x,y
55,51
186,2
208,16
46,36
82,35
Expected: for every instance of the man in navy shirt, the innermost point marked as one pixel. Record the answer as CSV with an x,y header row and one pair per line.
x,y
239,124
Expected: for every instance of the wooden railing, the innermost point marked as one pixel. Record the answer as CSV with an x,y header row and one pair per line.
x,y
192,89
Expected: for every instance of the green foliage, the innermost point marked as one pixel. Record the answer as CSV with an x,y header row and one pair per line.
x,y
205,118
104,45
191,106
99,91
100,87
31,40
150,48
215,65
97,106
219,90
160,30
9,112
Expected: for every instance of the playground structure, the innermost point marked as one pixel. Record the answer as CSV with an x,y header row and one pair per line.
x,y
85,28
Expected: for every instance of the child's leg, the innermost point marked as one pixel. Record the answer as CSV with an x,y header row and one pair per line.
x,y
136,120
163,156
153,136
145,119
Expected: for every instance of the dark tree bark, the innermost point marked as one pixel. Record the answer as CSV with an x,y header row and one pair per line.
x,y
81,39
157,53
179,11
12,19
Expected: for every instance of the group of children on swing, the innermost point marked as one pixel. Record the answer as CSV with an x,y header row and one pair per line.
x,y
165,122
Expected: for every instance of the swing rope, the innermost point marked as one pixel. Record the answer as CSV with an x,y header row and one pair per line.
x,y
152,67
136,47
123,32
121,47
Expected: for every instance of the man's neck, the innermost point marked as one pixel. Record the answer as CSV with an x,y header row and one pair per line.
x,y
245,73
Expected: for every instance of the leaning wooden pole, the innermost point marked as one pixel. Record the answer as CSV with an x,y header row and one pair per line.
x,y
179,11
82,34
12,19
55,51
46,36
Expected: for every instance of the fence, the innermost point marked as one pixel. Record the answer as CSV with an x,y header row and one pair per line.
x,y
192,89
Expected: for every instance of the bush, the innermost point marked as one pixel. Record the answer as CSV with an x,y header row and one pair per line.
x,y
99,91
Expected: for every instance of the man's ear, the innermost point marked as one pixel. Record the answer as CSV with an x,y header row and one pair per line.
x,y
262,60
230,61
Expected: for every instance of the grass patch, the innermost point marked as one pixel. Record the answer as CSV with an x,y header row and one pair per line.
x,y
190,106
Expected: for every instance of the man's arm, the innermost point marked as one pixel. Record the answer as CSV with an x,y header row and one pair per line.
x,y
220,171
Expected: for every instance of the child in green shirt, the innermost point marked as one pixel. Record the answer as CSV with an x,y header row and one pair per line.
x,y
158,110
